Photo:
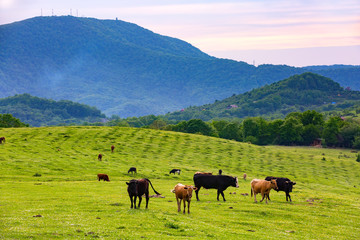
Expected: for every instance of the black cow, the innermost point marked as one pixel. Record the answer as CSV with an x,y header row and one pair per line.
x,y
284,184
175,171
132,170
137,188
219,182
2,139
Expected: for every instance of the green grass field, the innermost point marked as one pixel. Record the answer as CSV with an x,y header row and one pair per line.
x,y
74,205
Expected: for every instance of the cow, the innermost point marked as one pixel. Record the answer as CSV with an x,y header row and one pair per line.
x,y
104,177
183,193
112,148
137,188
175,171
263,187
204,173
132,170
2,139
100,157
219,182
244,176
284,184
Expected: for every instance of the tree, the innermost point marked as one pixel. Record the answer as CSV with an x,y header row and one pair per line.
x,y
7,121
331,131
231,131
290,131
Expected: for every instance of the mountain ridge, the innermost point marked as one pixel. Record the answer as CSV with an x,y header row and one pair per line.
x,y
306,91
124,69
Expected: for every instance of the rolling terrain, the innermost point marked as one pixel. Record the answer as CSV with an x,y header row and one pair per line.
x,y
49,189
44,112
298,93
124,69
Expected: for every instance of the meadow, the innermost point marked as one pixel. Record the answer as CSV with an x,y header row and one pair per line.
x,y
49,190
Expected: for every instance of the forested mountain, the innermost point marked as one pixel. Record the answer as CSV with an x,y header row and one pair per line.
x,y
42,112
124,69
297,93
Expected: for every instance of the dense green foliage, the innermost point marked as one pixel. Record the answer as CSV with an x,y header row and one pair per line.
x,y
127,70
51,172
296,129
297,93
7,121
42,112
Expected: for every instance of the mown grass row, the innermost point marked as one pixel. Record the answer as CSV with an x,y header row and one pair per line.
x,y
74,205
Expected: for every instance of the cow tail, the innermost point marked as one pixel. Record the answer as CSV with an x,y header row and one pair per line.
x,y
153,187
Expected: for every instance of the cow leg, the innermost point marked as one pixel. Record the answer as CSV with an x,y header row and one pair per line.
x,y
135,201
184,205
255,197
263,196
189,207
147,199
268,196
222,194
288,195
178,201
140,199
131,200
197,193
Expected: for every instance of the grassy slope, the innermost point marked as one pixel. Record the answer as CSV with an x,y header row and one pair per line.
x,y
74,205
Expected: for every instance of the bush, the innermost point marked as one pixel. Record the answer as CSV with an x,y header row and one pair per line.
x,y
358,158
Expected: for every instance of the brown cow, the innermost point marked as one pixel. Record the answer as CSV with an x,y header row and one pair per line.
x,y
263,187
244,176
204,173
100,157
183,193
2,139
112,148
104,177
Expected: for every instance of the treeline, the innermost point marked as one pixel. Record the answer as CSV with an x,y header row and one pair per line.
x,y
301,129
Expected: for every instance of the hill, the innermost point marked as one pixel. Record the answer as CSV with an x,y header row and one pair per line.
x,y
48,180
307,91
44,112
124,69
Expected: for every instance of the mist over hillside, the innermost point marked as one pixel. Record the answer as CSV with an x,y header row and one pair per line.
x,y
124,69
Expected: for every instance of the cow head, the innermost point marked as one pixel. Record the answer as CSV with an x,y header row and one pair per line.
x,y
189,189
289,185
273,184
132,187
236,183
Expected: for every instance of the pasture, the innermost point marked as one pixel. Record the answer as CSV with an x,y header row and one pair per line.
x,y
49,187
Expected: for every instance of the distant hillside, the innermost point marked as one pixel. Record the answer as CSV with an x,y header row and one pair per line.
x,y
124,69
297,93
43,112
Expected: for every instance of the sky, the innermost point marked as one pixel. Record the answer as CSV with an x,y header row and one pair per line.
x,y
293,32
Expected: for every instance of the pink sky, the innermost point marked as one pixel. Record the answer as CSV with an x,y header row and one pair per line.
x,y
296,33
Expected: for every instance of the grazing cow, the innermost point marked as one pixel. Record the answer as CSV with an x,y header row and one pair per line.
x,y
112,148
104,177
219,182
263,187
132,170
2,139
244,176
220,171
175,171
183,193
204,173
284,184
137,188
100,157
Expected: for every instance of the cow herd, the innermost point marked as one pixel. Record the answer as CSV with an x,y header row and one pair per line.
x,y
137,188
